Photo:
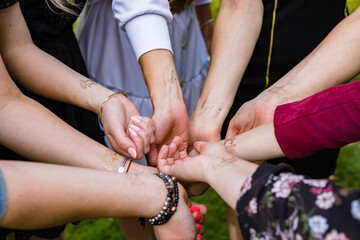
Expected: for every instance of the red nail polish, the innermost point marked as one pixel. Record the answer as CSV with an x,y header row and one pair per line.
x,y
195,209
197,217
199,236
198,227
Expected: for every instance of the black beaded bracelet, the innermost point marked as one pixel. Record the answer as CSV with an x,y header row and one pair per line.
x,y
170,204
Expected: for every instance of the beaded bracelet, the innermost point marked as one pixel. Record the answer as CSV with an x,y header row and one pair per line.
x,y
106,100
170,204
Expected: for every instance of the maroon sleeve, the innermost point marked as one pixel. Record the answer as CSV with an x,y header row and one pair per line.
x,y
328,119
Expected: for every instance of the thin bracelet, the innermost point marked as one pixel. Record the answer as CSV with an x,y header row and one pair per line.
x,y
127,170
106,100
206,23
121,169
170,205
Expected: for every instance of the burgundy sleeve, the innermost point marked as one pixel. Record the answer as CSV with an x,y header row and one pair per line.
x,y
328,119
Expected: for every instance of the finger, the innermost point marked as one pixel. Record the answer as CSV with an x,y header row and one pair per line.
x,y
198,217
146,124
202,207
145,138
152,156
138,141
164,151
173,147
198,146
193,153
232,130
121,143
200,228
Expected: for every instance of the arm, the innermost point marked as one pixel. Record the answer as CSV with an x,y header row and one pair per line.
x,y
333,62
60,194
28,129
237,22
46,76
213,165
145,23
328,119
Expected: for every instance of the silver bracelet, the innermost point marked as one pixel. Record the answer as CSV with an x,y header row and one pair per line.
x,y
206,23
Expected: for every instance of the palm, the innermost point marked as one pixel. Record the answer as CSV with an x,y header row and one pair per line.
x,y
168,125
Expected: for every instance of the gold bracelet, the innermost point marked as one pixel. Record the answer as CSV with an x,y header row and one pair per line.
x,y
106,100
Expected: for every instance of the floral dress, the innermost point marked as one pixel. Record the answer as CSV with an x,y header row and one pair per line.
x,y
296,207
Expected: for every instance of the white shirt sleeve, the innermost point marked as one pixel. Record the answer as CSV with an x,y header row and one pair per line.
x,y
201,2
145,22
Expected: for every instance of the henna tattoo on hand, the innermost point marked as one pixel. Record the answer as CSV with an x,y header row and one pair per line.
x,y
86,83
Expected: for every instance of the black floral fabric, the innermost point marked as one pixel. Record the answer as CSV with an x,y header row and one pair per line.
x,y
7,3
275,203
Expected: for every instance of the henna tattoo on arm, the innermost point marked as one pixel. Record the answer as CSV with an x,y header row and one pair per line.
x,y
223,163
87,83
110,161
230,145
172,78
211,106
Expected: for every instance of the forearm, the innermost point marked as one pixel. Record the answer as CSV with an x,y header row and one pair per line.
x,y
41,73
34,132
60,194
236,31
227,176
161,78
333,62
257,144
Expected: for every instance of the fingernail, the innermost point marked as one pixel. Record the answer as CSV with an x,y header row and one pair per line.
x,y
195,209
199,227
135,119
132,152
136,128
197,217
132,132
199,236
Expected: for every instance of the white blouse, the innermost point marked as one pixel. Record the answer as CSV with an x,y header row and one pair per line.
x,y
145,22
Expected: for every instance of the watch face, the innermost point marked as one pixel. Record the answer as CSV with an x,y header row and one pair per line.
x,y
121,169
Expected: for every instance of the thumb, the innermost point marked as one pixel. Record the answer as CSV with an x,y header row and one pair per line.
x,y
232,130
198,146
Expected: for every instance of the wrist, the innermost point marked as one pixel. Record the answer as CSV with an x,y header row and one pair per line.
x,y
210,112
97,99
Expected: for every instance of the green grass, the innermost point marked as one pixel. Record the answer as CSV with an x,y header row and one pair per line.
x,y
346,174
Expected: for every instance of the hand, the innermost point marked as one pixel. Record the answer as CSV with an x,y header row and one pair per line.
x,y
175,152
186,223
116,119
169,123
141,132
202,128
191,169
258,111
